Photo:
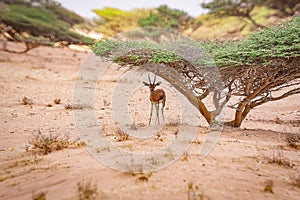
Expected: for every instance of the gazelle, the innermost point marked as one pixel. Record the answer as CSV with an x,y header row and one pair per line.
x,y
156,96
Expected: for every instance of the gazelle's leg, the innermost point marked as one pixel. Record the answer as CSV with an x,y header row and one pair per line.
x,y
162,112
157,112
151,113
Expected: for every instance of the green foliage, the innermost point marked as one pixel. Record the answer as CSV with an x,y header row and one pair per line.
x,y
166,17
113,21
43,22
163,56
134,52
133,57
282,41
65,15
105,47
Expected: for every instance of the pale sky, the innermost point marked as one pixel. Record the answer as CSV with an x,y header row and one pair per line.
x,y
84,7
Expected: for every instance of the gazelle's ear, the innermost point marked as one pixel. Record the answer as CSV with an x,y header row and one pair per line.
x,y
147,84
158,83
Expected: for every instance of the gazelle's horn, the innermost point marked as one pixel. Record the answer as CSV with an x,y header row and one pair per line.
x,y
149,79
154,79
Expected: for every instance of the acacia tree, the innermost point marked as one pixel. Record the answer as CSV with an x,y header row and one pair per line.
x,y
165,17
264,67
113,21
238,8
8,33
42,22
286,7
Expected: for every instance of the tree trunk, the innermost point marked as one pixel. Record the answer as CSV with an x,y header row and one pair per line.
x,y
240,114
205,113
254,22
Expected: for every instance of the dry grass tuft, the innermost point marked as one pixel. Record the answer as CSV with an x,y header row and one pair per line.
x,y
173,127
269,186
87,190
57,101
295,179
173,123
77,106
185,156
27,101
47,143
121,135
39,196
142,177
278,158
194,193
293,140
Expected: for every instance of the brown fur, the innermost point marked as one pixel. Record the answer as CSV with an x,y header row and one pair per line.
x,y
158,95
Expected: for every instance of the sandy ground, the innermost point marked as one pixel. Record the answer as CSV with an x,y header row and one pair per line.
x,y
239,167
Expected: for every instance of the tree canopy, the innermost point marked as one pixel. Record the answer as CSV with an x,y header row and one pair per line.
x,y
165,17
238,8
244,8
286,7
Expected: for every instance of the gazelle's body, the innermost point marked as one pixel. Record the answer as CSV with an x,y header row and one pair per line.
x,y
157,96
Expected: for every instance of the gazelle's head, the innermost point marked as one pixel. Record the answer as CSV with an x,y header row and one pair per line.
x,y
151,85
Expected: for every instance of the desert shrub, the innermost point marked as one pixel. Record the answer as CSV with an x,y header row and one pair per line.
x,y
278,158
87,191
47,143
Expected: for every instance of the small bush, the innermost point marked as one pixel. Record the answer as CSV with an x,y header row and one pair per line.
x,y
47,143
87,191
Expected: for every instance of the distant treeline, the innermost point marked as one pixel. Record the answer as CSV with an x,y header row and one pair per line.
x,y
234,18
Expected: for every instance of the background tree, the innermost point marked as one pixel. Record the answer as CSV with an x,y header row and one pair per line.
x,y
165,17
238,8
286,7
47,21
264,67
112,21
